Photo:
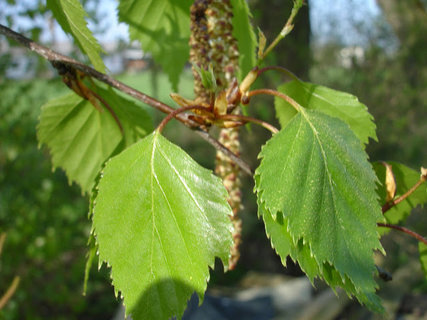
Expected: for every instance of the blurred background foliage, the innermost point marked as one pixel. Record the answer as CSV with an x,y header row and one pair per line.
x,y
382,60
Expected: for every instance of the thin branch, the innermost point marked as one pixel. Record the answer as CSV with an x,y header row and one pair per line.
x,y
2,240
405,230
10,291
392,203
57,58
247,119
280,69
281,95
174,114
287,28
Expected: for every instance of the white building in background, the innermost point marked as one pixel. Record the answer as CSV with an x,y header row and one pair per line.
x,y
348,56
20,63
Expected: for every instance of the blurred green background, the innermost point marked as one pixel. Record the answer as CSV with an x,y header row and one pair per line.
x,y
379,55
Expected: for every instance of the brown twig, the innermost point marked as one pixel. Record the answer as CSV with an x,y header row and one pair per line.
x,y
405,230
110,109
388,205
175,113
9,292
281,95
2,240
57,58
246,119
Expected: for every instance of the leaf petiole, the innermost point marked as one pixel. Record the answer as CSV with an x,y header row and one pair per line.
x,y
246,119
271,92
174,113
404,230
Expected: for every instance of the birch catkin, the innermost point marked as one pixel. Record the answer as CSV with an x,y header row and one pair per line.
x,y
212,42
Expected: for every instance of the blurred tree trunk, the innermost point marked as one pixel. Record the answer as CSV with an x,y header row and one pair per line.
x,y
407,18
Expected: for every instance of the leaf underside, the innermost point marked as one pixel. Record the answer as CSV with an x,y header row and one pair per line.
x,y
334,103
81,139
314,175
71,17
405,178
159,221
163,29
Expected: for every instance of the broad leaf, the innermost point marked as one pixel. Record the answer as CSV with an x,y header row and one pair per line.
x,y
71,16
282,242
160,219
245,36
422,247
163,29
334,103
405,178
81,138
315,173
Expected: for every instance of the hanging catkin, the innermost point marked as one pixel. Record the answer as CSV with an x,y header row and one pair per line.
x,y
212,43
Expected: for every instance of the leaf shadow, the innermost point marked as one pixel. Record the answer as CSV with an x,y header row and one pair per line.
x,y
164,299
214,307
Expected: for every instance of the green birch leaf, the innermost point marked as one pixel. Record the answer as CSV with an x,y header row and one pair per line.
x,y
81,139
335,103
135,119
422,247
315,173
163,29
160,220
71,17
405,178
282,242
245,36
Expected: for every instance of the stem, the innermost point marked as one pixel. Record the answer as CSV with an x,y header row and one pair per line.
x,y
392,203
108,107
10,291
405,230
58,58
283,96
287,28
246,119
174,113
2,240
281,69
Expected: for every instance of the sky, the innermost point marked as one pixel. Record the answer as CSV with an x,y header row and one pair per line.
x,y
329,19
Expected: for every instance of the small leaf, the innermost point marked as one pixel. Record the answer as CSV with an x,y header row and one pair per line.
x,y
422,247
71,17
262,41
81,138
245,36
334,103
160,220
207,77
405,178
315,173
163,29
